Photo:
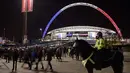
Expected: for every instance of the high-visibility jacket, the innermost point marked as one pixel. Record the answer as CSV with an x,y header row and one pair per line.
x,y
100,43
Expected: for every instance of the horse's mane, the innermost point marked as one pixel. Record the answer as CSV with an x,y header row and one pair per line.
x,y
83,43
84,47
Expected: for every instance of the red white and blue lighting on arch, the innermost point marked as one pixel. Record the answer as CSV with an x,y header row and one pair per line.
x,y
82,4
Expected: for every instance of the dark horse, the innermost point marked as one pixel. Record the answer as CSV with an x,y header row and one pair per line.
x,y
113,58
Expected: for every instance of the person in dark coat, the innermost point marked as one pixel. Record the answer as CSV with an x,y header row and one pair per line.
x,y
8,55
49,58
39,58
21,52
27,58
15,58
44,53
59,53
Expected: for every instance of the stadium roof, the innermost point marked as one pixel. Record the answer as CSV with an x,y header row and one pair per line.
x,y
81,28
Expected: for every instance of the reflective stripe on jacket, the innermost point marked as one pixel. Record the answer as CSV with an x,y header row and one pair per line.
x,y
100,43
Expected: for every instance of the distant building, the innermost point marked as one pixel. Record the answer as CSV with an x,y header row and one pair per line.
x,y
80,32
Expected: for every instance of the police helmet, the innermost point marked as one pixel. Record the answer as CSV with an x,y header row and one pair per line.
x,y
99,34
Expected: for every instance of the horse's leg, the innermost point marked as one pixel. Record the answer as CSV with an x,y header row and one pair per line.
x,y
117,68
60,57
117,64
89,69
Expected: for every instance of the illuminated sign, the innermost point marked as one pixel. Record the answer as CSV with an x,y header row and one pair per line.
x,y
83,35
69,34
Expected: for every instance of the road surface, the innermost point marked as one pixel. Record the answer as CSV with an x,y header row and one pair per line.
x,y
67,66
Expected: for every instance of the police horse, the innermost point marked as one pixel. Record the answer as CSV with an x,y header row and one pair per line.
x,y
111,57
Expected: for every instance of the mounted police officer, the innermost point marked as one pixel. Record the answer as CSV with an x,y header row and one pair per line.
x,y
99,46
100,42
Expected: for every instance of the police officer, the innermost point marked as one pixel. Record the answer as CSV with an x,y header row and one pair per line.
x,y
99,46
100,42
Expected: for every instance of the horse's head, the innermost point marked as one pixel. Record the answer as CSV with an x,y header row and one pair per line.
x,y
82,47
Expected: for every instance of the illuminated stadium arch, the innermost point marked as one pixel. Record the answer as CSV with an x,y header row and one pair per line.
x,y
82,4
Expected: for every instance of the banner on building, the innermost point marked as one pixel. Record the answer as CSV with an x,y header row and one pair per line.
x,y
27,5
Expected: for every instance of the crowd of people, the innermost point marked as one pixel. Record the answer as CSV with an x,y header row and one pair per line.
x,y
35,55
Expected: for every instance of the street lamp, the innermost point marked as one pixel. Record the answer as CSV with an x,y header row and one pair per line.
x,y
41,31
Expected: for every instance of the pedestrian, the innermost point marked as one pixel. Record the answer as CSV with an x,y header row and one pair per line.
x,y
49,58
39,58
27,58
15,58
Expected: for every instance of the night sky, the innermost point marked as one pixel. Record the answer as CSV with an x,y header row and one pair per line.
x,y
12,19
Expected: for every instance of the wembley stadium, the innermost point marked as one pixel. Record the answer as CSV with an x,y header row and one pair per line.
x,y
80,32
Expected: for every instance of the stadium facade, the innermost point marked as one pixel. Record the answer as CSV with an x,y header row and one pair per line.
x,y
80,32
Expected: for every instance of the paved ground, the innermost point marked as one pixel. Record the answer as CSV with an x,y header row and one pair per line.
x,y
67,66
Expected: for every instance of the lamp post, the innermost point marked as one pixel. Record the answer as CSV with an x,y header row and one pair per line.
x,y
41,31
25,36
4,34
